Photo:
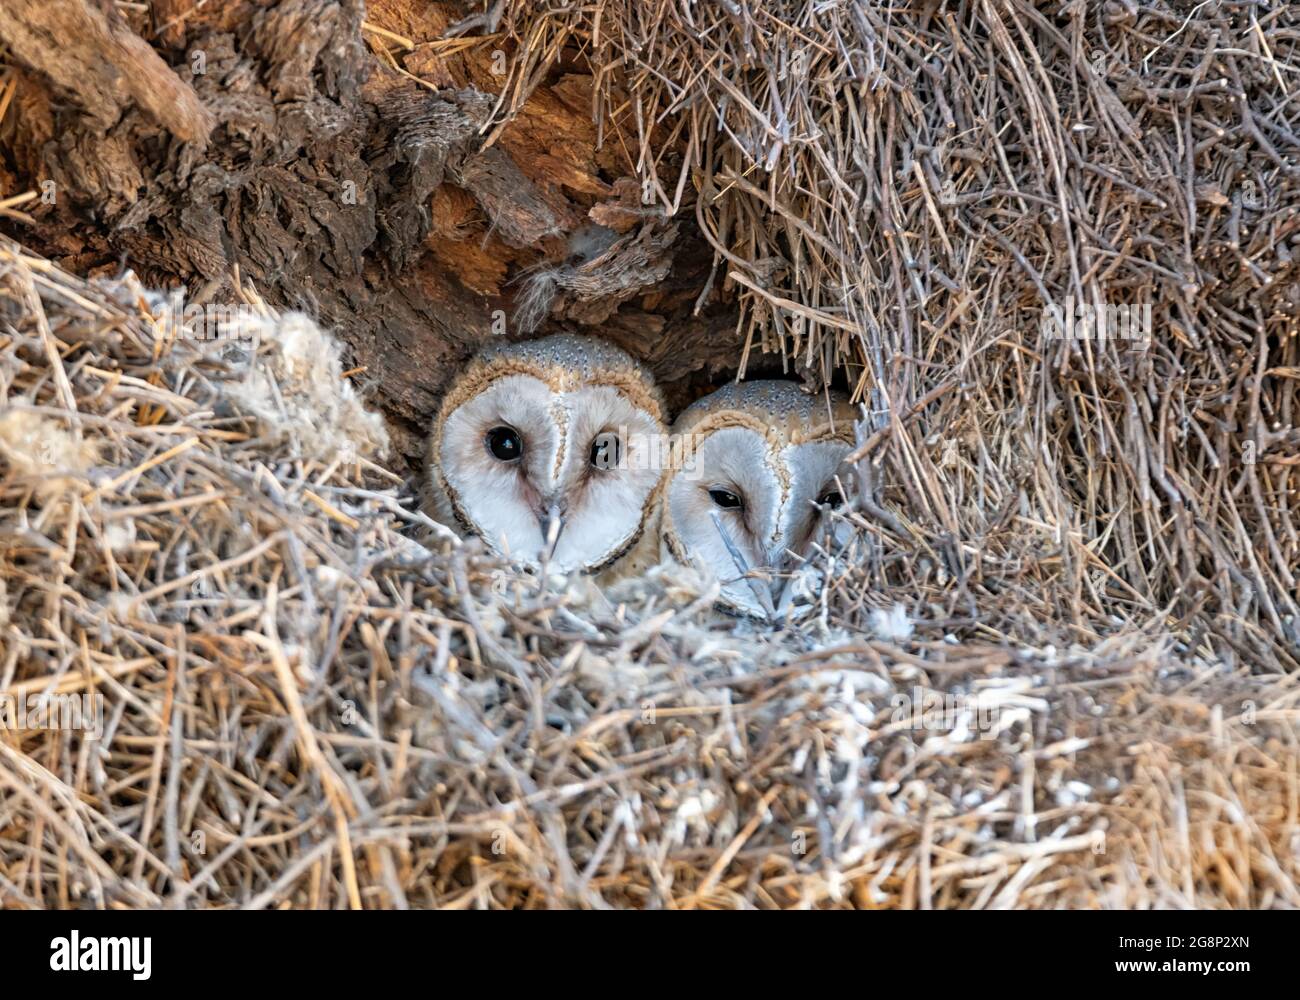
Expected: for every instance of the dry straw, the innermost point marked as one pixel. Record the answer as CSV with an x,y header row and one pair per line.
x,y
908,191
311,698
1085,551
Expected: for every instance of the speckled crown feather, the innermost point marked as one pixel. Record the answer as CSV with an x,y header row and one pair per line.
x,y
778,409
564,361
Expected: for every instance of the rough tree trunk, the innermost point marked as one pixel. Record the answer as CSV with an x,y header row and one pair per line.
x,y
267,142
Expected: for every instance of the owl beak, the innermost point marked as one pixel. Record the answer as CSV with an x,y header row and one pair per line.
x,y
784,591
777,568
551,520
758,586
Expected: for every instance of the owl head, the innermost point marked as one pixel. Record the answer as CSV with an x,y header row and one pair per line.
x,y
763,465
541,449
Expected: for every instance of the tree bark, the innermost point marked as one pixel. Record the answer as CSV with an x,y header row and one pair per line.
x,y
266,143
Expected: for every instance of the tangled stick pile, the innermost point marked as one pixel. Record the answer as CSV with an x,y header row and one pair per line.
x,y
908,191
310,697
1052,666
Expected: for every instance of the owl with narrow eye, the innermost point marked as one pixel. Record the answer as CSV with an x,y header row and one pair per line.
x,y
537,450
760,465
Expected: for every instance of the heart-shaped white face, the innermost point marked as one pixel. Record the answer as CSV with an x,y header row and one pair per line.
x,y
754,495
551,470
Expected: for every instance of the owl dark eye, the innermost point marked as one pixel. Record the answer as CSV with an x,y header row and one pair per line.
x,y
606,451
504,443
725,498
831,498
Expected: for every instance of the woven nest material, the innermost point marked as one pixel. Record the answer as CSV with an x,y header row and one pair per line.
x,y
313,698
927,196
1049,657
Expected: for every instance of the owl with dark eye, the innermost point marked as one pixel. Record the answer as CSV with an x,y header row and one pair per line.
x,y
539,450
764,467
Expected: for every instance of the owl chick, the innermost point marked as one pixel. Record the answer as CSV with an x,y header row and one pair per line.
x,y
539,450
758,466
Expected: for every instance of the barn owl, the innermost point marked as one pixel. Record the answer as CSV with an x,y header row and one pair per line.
x,y
540,449
764,463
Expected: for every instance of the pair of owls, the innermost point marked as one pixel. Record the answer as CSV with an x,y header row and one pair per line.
x,y
555,451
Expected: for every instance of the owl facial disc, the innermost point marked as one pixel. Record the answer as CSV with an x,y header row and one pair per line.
x,y
768,465
540,450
